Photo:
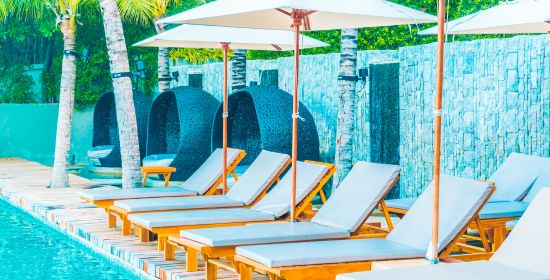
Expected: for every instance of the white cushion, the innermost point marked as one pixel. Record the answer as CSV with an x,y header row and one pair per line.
x,y
112,194
263,233
459,198
357,196
257,177
480,270
159,160
528,244
176,203
324,252
277,201
198,217
210,171
515,176
503,209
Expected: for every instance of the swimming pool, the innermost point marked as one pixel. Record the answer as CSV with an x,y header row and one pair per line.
x,y
29,249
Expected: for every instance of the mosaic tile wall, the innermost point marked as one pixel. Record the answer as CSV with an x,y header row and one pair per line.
x,y
496,101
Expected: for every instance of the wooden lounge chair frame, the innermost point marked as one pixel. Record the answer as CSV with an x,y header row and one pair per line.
x,y
126,225
325,271
212,255
164,232
107,203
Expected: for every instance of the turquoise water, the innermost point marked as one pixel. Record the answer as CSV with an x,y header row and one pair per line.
x,y
29,249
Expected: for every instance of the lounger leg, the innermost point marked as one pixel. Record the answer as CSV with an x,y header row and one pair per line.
x,y
211,271
191,259
161,241
387,215
323,196
126,226
167,179
111,220
245,272
169,251
235,175
143,234
144,181
499,234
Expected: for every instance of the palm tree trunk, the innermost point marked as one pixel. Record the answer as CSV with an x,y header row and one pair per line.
x,y
163,65
122,88
346,105
238,70
60,176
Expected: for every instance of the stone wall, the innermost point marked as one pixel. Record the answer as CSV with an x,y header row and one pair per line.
x,y
318,91
496,101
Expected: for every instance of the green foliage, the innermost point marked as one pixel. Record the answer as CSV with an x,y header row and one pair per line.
x,y
16,86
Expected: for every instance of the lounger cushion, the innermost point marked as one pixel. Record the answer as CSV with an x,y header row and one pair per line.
x,y
198,217
528,245
159,160
176,203
401,203
277,201
543,181
515,176
503,209
323,252
357,196
460,199
112,194
257,177
210,171
264,233
98,152
482,270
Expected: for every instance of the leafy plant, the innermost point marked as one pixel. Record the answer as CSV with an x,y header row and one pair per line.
x,y
16,85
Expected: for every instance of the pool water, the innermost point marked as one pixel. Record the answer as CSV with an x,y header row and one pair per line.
x,y
30,249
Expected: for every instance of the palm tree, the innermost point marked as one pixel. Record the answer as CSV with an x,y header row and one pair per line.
x,y
122,83
64,12
346,104
239,69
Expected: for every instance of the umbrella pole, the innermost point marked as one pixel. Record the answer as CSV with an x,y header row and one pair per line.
x,y
437,129
225,48
297,22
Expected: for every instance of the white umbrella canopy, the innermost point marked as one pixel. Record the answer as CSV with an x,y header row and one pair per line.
x,y
203,36
513,17
324,14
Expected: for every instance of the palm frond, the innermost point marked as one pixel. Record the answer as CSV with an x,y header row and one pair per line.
x,y
139,11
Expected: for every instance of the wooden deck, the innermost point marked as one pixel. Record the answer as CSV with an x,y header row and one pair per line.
x,y
24,184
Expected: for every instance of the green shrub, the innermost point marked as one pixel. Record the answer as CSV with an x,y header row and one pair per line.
x,y
16,85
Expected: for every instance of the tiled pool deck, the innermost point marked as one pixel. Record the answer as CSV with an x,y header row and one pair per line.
x,y
23,183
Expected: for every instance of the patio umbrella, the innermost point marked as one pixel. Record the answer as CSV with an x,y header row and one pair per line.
x,y
201,36
512,17
311,15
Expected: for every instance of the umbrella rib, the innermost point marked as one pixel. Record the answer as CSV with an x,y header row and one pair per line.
x,y
277,47
283,11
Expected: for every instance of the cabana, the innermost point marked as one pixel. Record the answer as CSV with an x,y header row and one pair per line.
x,y
105,151
259,119
180,125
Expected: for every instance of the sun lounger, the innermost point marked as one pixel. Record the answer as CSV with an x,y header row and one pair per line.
x,y
461,199
98,152
513,180
524,255
340,217
204,181
259,177
274,205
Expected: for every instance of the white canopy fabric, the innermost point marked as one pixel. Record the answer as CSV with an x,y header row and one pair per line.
x,y
203,36
513,17
325,14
